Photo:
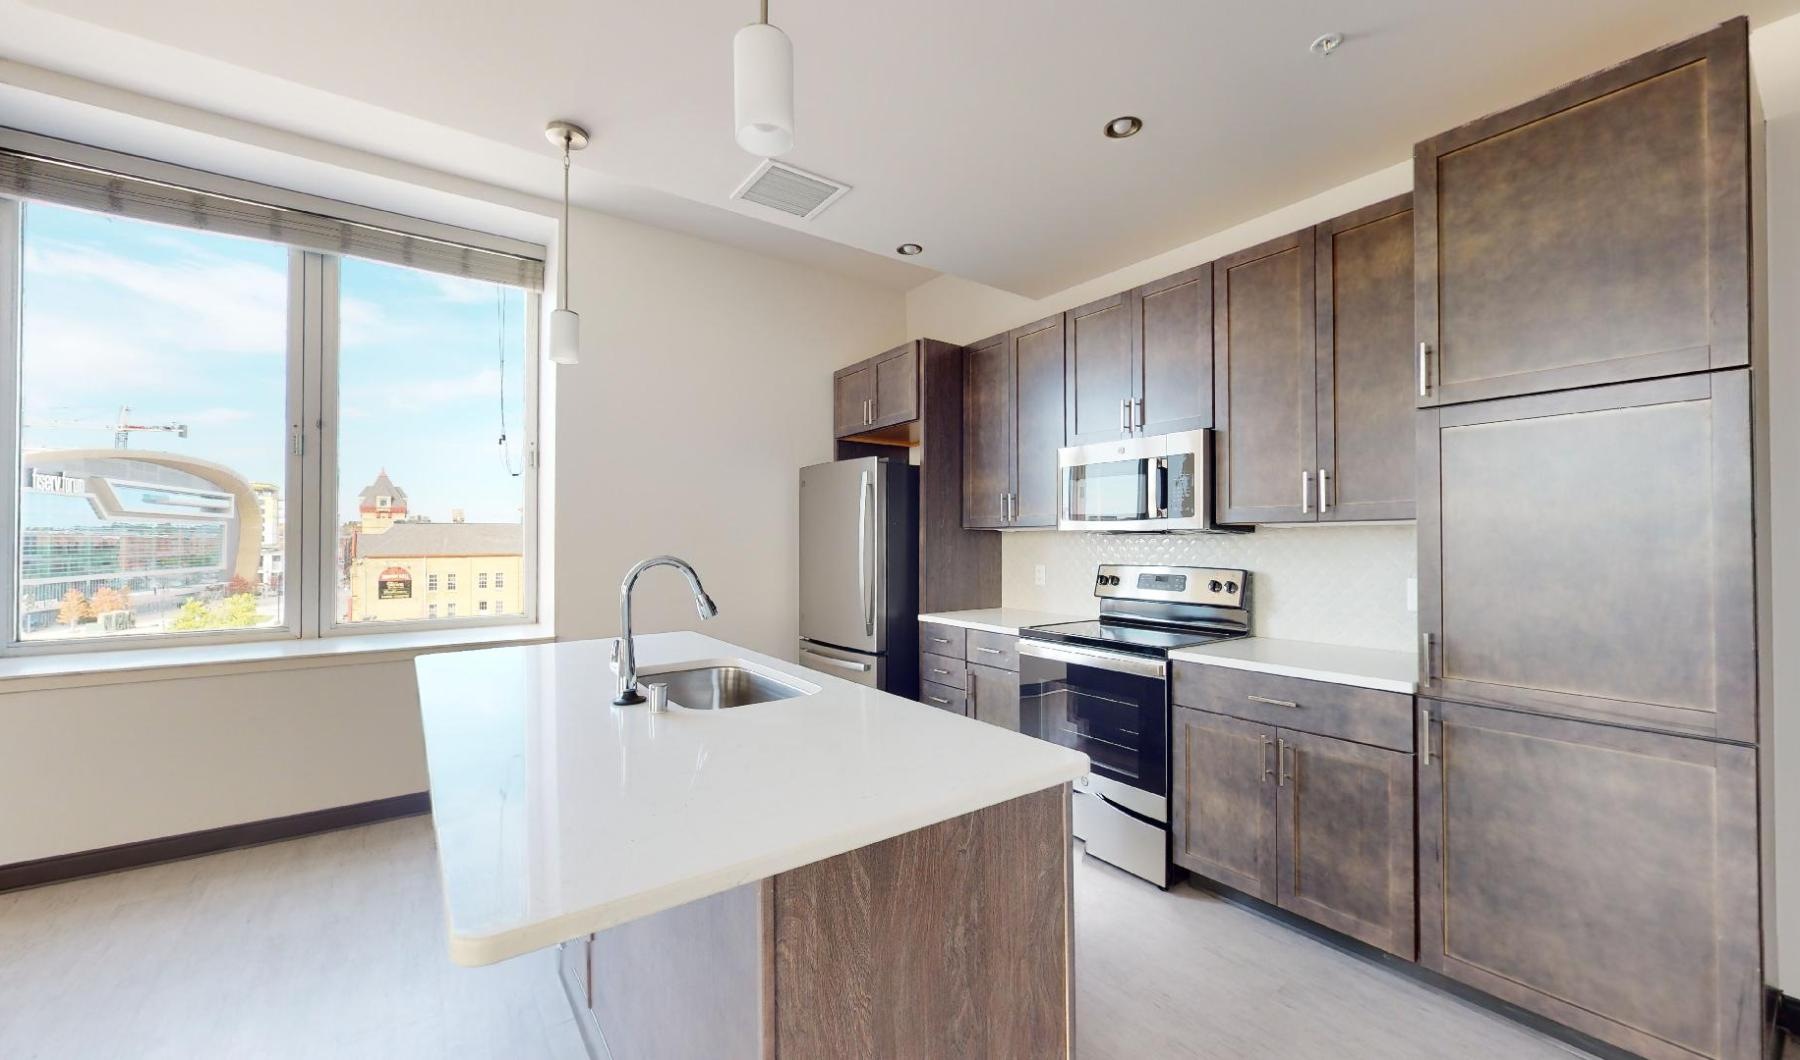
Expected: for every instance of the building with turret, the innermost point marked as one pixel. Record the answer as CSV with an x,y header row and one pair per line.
x,y
402,568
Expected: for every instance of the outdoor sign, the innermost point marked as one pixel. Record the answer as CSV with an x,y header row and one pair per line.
x,y
56,482
394,583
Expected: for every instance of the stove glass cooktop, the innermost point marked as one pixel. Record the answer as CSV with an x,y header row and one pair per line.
x,y
1119,636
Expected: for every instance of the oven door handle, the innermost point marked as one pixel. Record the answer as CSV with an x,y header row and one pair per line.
x,y
1099,660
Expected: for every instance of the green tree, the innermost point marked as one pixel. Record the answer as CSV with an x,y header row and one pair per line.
x,y
192,614
236,611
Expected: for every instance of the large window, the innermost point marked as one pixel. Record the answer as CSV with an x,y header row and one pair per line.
x,y
241,415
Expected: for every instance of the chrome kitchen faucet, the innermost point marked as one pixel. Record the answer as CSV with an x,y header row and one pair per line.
x,y
624,654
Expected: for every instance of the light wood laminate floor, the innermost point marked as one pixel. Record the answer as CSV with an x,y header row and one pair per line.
x,y
332,946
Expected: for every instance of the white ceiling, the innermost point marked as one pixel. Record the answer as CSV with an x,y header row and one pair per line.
x,y
970,127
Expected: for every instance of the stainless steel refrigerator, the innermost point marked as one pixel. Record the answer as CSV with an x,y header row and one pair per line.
x,y
859,572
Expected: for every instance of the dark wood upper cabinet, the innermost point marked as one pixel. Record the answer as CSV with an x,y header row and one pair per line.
x,y
1589,553
1224,807
1172,352
1364,371
853,396
1037,374
1604,878
873,396
987,433
897,386
1346,838
1141,362
1264,394
1100,380
1597,234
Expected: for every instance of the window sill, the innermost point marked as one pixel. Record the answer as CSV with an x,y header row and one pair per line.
x,y
30,673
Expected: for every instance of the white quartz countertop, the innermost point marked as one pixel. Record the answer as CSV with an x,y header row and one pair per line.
x,y
1000,619
1387,671
558,814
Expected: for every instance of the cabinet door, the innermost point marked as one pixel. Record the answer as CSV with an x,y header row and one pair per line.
x,y
1099,380
1597,234
994,696
987,433
1264,395
853,397
1038,407
1224,800
1601,877
1589,553
1364,263
1172,352
1345,815
897,386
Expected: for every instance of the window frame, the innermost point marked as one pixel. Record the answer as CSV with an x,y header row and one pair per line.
x,y
309,498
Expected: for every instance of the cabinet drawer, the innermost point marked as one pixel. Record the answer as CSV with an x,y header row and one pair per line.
x,y
993,649
944,697
1383,719
943,670
939,639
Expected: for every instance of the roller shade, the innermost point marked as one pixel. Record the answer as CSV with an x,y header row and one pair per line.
x,y
68,184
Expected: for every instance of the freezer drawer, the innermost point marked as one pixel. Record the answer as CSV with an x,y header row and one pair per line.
x,y
849,665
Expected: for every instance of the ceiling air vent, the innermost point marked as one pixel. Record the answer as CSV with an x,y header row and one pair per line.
x,y
780,186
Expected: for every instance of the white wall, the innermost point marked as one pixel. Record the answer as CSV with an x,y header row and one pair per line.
x,y
1782,753
1339,584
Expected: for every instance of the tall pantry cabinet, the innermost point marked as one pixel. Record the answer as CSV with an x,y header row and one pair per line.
x,y
1589,700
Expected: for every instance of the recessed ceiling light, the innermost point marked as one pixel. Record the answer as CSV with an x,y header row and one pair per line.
x,y
1325,43
1123,126
909,249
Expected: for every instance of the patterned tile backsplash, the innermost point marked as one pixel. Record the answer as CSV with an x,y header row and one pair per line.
x,y
1333,584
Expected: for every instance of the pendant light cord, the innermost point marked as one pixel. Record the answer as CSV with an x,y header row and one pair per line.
x,y
765,12
563,277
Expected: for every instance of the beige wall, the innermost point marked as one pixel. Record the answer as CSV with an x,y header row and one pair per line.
x,y
705,386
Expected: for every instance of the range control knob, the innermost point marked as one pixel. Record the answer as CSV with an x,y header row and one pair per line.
x,y
1231,587
1112,579
1099,579
1215,585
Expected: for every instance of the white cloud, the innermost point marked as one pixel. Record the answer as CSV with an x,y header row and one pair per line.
x,y
432,393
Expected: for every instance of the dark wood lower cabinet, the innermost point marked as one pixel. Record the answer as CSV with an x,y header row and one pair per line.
x,y
1345,825
1224,813
994,696
1319,826
1602,877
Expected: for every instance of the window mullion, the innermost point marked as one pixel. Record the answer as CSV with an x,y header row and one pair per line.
x,y
315,547
10,242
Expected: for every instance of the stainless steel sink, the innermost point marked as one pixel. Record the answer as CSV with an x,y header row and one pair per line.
x,y
719,687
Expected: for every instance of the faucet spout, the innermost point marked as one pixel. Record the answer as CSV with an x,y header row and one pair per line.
x,y
625,651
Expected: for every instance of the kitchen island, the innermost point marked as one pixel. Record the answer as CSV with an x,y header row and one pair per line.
x,y
837,873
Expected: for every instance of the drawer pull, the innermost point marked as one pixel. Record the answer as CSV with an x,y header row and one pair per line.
x,y
940,640
990,651
1290,704
935,670
939,699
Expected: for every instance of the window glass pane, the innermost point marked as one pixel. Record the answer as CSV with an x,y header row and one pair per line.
x,y
153,412
431,441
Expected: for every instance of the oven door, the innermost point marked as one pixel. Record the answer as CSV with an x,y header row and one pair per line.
x,y
1110,706
1136,484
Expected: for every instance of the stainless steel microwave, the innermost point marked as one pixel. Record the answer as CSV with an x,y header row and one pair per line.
x,y
1138,485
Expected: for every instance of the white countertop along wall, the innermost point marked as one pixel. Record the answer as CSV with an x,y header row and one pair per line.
x,y
1007,620
1377,668
558,814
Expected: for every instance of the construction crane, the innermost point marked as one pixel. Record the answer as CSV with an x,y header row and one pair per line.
x,y
122,430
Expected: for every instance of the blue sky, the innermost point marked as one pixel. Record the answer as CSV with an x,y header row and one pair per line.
x,y
191,327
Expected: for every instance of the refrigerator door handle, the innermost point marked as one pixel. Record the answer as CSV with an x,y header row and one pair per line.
x,y
866,494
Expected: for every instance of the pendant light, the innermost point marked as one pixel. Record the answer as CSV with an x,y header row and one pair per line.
x,y
763,87
565,324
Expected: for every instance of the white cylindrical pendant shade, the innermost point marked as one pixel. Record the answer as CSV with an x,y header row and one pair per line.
x,y
763,87
565,337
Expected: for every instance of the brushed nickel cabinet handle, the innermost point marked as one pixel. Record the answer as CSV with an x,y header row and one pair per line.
x,y
1125,415
939,699
935,670
1305,493
1290,704
1324,490
990,651
1291,754
1281,776
1140,412
1268,771
1425,734
1424,369
1425,657
940,640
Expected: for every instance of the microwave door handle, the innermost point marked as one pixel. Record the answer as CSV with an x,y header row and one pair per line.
x,y
1159,487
